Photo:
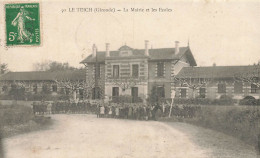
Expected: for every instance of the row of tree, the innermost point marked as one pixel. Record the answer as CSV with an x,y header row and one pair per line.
x,y
43,66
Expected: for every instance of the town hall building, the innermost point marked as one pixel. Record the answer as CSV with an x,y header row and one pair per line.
x,y
135,72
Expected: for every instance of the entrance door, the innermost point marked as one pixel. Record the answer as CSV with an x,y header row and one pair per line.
x,y
183,93
115,94
134,94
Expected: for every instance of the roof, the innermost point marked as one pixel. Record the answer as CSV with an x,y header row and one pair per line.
x,y
216,71
154,54
44,75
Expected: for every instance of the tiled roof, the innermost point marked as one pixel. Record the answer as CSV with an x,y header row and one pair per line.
x,y
44,75
154,54
216,71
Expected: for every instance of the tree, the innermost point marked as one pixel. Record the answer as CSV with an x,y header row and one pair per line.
x,y
74,86
153,96
252,77
17,90
4,68
42,66
125,82
52,66
57,66
192,83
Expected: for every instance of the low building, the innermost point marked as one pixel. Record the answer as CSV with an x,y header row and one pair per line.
x,y
38,81
213,82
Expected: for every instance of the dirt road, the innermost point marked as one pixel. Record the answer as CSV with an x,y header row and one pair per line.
x,y
85,136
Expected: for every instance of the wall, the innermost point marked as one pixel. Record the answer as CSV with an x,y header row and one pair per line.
x,y
90,78
142,90
212,90
167,88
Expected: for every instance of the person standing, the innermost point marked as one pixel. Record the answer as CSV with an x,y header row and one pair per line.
x,y
102,111
130,112
117,112
49,105
98,111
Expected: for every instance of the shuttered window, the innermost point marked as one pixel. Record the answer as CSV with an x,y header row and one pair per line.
x,y
202,92
183,93
221,88
160,69
115,71
238,87
253,88
135,70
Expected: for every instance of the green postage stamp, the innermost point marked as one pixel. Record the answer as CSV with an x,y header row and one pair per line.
x,y
22,24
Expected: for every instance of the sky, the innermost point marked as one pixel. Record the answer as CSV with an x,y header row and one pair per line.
x,y
221,32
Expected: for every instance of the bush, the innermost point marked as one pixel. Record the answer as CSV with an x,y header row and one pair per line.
x,y
249,100
195,101
15,114
224,100
6,97
205,101
240,122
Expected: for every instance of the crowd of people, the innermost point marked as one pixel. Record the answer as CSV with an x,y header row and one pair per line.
x,y
130,111
115,110
62,107
145,112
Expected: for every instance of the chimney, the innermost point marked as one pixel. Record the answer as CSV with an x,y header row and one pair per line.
x,y
146,47
177,49
94,51
107,49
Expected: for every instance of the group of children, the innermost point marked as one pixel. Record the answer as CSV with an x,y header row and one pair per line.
x,y
135,111
129,111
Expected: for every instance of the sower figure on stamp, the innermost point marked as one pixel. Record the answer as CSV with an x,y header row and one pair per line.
x,y
19,21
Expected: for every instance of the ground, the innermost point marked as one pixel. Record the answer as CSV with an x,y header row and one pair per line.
x,y
83,136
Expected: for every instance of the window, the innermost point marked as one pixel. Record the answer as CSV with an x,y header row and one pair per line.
x,y
5,88
253,88
115,94
97,70
54,88
67,91
221,88
160,92
96,93
35,88
115,71
81,94
45,88
160,69
115,91
134,94
183,93
238,87
135,70
124,53
202,92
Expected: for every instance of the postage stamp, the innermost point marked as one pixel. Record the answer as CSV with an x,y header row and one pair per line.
x,y
22,24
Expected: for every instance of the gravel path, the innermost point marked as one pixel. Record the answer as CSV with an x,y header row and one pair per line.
x,y
217,144
84,136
